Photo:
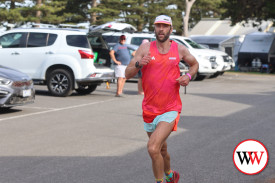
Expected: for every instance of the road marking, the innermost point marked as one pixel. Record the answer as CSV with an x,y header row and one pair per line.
x,y
48,108
54,110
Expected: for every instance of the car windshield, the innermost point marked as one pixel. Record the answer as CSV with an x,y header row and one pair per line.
x,y
179,42
194,44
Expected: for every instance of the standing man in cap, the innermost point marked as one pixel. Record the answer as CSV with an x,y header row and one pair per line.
x,y
161,80
120,54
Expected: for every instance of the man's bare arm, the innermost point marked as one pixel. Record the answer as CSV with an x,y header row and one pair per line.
x,y
112,55
141,56
191,61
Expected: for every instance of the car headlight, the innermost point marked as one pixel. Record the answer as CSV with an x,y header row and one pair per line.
x,y
210,58
4,81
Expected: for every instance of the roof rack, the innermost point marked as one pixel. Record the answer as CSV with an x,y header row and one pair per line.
x,y
104,30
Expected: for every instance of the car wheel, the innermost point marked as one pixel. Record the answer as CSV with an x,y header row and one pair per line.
x,y
84,90
4,109
60,83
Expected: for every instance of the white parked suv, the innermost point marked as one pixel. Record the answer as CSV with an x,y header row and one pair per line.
x,y
209,61
60,59
223,61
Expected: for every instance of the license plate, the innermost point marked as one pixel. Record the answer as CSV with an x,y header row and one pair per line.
x,y
27,93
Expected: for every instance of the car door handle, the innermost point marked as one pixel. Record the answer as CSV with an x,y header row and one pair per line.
x,y
49,52
15,53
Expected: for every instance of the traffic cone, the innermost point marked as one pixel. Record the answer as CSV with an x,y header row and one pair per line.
x,y
107,85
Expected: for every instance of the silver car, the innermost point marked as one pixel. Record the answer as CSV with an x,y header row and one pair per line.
x,y
16,88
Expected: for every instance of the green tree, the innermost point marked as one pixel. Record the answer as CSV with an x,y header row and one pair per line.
x,y
77,11
45,11
135,13
244,10
38,12
206,9
42,11
93,14
140,13
10,4
10,12
106,11
53,11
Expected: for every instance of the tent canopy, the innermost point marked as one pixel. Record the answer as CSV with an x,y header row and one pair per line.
x,y
257,43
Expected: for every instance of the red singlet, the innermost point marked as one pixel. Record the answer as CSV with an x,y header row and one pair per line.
x,y
161,90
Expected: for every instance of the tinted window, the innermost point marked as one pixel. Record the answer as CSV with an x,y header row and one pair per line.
x,y
37,39
78,41
13,40
111,39
52,38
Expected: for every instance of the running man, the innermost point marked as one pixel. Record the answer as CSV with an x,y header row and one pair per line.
x,y
161,80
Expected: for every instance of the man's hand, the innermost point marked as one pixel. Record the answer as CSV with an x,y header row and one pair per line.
x,y
145,60
183,80
118,62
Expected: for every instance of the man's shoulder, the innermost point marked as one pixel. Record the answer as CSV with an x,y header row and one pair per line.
x,y
181,47
144,48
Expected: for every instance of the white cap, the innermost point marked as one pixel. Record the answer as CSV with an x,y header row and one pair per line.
x,y
163,19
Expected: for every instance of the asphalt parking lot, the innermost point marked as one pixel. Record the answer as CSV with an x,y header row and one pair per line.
x,y
100,138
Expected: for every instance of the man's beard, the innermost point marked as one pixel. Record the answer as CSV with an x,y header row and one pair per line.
x,y
166,36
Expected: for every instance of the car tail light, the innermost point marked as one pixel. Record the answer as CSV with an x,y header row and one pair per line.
x,y
93,75
86,54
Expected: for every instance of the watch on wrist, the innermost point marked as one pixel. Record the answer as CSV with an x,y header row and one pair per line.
x,y
137,65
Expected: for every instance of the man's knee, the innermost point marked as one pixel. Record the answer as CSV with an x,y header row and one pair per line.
x,y
153,150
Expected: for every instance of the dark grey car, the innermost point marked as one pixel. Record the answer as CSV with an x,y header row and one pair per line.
x,y
16,88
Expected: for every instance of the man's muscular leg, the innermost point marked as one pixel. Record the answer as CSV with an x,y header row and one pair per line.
x,y
157,148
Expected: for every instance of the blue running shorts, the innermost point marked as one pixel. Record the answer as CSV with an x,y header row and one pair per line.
x,y
167,117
